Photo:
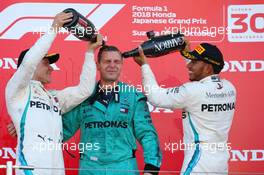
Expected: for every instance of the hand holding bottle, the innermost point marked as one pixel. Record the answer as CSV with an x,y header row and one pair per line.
x,y
94,45
141,59
60,19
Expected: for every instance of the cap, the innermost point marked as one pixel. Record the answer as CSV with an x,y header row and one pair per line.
x,y
51,57
208,53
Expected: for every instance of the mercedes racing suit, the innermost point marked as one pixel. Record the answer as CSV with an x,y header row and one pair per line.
x,y
208,108
36,112
112,131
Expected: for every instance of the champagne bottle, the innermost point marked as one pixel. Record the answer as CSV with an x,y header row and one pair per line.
x,y
80,26
159,45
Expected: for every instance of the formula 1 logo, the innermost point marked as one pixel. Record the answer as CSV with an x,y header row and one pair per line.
x,y
21,18
246,23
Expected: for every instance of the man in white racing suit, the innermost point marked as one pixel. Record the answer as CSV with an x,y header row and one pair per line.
x,y
208,104
35,111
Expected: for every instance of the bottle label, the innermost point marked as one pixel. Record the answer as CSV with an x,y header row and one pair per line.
x,y
169,44
82,23
80,29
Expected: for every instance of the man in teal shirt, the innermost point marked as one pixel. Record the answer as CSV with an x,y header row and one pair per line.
x,y
112,120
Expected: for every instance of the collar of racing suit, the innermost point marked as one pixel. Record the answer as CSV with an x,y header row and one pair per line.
x,y
40,85
214,77
37,83
97,95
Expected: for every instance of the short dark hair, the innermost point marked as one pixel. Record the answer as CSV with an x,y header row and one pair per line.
x,y
107,48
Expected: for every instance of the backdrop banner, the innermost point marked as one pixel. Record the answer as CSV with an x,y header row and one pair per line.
x,y
235,26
